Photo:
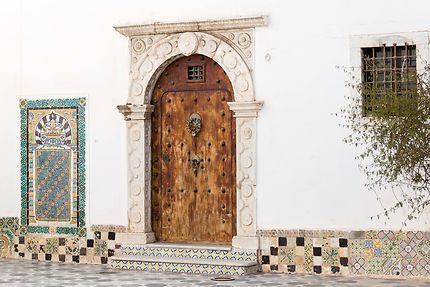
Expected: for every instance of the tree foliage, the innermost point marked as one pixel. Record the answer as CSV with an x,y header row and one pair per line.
x,y
391,126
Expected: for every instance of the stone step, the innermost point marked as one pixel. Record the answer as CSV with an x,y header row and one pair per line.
x,y
184,265
189,251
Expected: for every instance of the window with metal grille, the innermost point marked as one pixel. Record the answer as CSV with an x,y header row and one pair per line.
x,y
387,69
196,73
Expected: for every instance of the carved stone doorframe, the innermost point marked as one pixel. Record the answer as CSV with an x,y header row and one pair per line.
x,y
152,48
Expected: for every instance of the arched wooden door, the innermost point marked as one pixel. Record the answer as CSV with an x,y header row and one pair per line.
x,y
193,153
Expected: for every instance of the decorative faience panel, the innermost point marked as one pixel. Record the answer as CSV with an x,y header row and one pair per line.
x,y
67,248
304,255
53,166
52,183
373,252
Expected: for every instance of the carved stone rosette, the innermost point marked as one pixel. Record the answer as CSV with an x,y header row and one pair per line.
x,y
154,47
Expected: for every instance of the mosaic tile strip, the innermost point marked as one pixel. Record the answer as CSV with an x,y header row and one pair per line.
x,y
107,228
142,250
302,233
35,229
51,128
183,268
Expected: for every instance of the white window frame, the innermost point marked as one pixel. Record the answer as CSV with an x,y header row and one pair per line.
x,y
420,39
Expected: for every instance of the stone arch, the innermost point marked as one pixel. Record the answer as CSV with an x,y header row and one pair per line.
x,y
146,71
151,52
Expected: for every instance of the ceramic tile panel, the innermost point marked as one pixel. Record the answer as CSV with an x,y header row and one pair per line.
x,y
67,249
415,254
305,254
377,254
53,202
53,167
369,252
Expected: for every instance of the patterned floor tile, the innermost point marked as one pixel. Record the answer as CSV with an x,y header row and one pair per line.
x,y
31,273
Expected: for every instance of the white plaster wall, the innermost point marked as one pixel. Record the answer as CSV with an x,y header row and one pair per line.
x,y
307,178
9,115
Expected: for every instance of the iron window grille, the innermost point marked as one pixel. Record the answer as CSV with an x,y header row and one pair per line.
x,y
387,69
196,73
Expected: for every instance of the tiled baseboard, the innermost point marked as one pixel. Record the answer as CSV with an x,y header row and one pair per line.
x,y
58,248
67,249
371,253
349,253
304,255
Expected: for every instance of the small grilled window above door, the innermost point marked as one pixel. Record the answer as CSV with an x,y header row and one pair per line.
x,y
196,73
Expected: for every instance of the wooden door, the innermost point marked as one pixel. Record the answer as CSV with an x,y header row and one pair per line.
x,y
193,153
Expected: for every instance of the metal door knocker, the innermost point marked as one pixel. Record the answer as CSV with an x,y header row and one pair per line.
x,y
195,163
194,124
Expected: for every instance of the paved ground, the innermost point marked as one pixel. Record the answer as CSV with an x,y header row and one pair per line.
x,y
32,273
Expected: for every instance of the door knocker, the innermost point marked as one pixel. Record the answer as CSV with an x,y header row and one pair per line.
x,y
195,163
194,124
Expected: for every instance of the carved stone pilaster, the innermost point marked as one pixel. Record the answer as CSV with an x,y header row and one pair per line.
x,y
139,155
246,161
